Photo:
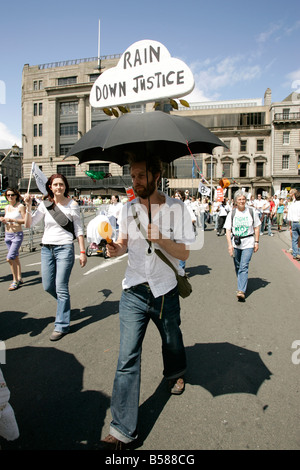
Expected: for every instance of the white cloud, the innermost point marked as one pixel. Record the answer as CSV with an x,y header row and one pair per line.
x,y
293,80
266,35
213,75
7,138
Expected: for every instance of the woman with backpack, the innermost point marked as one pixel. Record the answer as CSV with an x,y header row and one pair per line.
x,y
242,232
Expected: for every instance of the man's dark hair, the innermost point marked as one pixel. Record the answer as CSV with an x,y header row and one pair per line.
x,y
153,162
297,195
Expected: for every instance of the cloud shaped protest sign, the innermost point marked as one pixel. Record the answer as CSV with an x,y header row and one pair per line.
x,y
145,72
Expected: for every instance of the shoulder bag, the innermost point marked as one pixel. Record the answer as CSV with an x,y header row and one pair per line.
x,y
60,217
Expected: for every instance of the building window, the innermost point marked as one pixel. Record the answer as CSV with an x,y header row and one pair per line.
x,y
40,130
64,148
286,113
94,76
227,170
40,150
34,130
66,170
286,137
260,169
37,107
243,169
99,167
35,150
67,81
210,170
69,108
35,85
251,119
69,128
260,145
227,143
285,162
126,170
243,147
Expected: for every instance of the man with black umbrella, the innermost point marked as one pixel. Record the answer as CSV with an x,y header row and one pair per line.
x,y
151,221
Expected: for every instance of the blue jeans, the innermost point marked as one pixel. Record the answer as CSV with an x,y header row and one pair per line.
x,y
13,242
182,264
265,219
57,264
241,263
137,307
295,236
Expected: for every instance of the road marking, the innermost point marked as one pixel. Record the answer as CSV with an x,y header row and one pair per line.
x,y
37,264
106,264
290,257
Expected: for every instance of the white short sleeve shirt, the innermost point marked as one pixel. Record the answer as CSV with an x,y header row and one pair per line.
x,y
174,222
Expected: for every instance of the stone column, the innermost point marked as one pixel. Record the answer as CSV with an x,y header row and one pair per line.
x,y
81,116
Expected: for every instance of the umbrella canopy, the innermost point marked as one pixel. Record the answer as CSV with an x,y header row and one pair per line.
x,y
154,133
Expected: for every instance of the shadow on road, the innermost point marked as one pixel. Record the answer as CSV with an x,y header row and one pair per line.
x,y
220,368
93,313
224,368
200,270
256,283
52,410
14,323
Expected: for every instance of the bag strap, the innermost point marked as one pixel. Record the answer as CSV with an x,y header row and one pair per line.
x,y
158,252
58,215
233,214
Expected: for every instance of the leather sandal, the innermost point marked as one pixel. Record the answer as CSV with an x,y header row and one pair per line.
x,y
112,443
176,386
14,285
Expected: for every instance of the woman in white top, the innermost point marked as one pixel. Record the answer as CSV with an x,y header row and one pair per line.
x,y
13,219
57,252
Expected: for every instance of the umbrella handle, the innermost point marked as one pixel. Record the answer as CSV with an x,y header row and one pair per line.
x,y
149,215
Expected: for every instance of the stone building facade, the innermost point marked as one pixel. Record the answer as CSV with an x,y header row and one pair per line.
x,y
285,117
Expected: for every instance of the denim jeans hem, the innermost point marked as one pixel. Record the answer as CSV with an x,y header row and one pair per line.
x,y
177,375
119,435
61,330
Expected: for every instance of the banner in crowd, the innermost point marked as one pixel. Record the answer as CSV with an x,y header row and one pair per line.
x,y
220,194
203,190
40,178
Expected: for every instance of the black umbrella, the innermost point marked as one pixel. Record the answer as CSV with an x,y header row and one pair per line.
x,y
224,368
155,133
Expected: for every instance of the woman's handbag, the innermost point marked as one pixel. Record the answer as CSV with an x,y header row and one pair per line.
x,y
183,284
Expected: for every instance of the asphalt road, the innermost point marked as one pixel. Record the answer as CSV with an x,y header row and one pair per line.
x,y
242,388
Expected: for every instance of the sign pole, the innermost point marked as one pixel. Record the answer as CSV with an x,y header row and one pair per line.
x,y
99,46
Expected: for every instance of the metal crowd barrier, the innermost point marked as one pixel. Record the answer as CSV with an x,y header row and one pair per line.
x,y
33,236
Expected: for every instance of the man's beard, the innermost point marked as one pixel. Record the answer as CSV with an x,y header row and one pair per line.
x,y
144,193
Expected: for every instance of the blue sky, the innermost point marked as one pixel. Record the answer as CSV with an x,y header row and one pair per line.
x,y
235,48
